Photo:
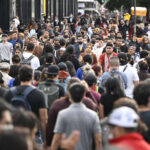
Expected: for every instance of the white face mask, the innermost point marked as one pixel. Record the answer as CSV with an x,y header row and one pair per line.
x,y
148,27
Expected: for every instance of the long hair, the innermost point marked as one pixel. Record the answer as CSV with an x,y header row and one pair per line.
x,y
113,87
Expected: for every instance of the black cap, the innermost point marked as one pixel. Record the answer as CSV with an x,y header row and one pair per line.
x,y
53,70
62,66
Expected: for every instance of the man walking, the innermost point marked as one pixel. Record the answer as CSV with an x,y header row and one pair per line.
x,y
78,118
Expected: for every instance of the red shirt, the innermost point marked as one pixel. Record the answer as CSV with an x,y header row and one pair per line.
x,y
102,59
131,141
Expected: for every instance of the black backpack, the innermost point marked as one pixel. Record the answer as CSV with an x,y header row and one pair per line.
x,y
51,92
19,99
27,61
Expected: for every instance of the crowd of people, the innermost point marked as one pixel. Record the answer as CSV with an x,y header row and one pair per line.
x,y
82,83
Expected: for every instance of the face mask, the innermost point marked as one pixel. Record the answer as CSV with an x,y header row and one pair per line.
x,y
93,41
73,39
80,42
148,27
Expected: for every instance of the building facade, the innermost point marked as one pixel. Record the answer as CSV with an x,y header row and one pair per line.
x,y
28,10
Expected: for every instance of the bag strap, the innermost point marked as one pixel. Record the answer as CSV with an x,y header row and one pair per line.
x,y
125,68
30,58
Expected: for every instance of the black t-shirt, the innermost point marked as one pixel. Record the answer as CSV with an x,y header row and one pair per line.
x,y
107,100
36,99
14,71
145,117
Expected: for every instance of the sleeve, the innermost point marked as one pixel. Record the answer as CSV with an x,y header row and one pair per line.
x,y
135,75
35,63
79,74
60,125
41,99
96,125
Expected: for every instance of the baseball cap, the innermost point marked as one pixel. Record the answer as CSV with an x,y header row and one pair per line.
x,y
53,70
124,117
62,66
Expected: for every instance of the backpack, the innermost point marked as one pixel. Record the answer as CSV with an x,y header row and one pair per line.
x,y
27,61
51,92
86,70
19,99
117,75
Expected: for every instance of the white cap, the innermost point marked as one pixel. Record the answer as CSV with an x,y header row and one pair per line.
x,y
124,117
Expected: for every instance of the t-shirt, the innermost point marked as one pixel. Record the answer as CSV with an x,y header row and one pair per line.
x,y
78,117
107,100
144,115
36,99
5,51
132,77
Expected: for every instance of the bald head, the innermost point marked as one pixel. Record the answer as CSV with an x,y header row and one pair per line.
x,y
114,61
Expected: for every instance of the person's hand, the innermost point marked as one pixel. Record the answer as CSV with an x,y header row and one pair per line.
x,y
70,143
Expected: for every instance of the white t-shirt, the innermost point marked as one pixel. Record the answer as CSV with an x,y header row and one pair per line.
x,y
35,63
98,51
132,77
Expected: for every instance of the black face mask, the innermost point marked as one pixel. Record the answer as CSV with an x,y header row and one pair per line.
x,y
80,43
93,41
66,36
73,39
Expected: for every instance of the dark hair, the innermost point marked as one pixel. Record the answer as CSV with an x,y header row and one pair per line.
x,y
49,58
148,62
112,86
16,59
25,119
142,93
71,68
70,49
14,140
123,58
109,44
30,47
144,54
97,69
62,42
37,75
143,66
76,91
71,81
25,73
87,59
48,48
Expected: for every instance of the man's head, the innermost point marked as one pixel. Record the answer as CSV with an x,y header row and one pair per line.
x,y
52,72
46,34
87,59
26,73
4,37
123,58
142,93
5,67
109,48
16,59
131,50
119,41
91,80
30,47
49,58
123,120
76,92
80,39
114,62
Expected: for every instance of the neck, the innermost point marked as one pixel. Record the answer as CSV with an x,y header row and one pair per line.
x,y
27,83
4,42
143,108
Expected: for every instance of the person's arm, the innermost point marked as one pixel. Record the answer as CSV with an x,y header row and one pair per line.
x,y
101,111
43,119
56,141
98,142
